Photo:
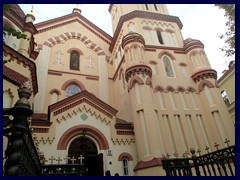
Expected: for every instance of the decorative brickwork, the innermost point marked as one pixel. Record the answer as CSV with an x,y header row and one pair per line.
x,y
140,69
76,131
204,74
125,155
132,37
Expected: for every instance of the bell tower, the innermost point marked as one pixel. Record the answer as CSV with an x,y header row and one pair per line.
x,y
175,101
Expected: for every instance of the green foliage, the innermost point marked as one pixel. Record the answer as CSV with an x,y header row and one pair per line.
x,y
6,7
229,35
10,31
13,32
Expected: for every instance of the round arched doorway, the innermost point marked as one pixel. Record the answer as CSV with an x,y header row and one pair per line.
x,y
84,150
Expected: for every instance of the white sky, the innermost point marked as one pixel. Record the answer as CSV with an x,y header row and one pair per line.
x,y
204,22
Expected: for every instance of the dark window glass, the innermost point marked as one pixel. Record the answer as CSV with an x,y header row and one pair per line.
x,y
74,61
159,35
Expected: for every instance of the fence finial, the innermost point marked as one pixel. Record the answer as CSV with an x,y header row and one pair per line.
x,y
216,146
207,149
226,142
175,154
199,151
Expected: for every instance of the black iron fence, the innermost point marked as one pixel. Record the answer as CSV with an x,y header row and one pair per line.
x,y
63,170
217,163
21,156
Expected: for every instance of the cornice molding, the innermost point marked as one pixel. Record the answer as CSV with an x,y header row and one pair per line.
x,y
26,62
132,37
137,70
204,74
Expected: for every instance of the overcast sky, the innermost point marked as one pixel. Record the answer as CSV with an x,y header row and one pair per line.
x,y
204,22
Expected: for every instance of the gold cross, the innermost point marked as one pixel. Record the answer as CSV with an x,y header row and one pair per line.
x,y
73,159
81,159
58,160
66,158
51,159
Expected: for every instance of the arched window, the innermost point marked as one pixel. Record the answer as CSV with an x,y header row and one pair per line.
x,y
168,66
72,89
125,167
54,98
74,60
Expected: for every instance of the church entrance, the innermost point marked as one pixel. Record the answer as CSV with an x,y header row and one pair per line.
x,y
83,150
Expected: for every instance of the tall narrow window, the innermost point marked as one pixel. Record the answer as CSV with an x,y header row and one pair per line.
x,y
155,6
72,89
168,66
146,6
74,61
209,96
125,167
123,80
225,97
159,35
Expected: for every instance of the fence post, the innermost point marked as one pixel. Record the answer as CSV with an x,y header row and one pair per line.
x,y
194,158
21,111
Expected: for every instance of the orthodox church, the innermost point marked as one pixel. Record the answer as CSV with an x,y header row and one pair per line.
x,y
116,103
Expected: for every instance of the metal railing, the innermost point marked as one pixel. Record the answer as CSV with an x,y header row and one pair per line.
x,y
21,155
217,163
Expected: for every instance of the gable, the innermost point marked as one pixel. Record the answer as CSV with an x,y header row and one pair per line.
x,y
60,22
83,97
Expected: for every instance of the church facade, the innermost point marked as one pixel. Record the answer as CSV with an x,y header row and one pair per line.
x,y
120,103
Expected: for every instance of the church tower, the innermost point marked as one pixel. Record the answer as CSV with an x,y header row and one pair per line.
x,y
175,100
